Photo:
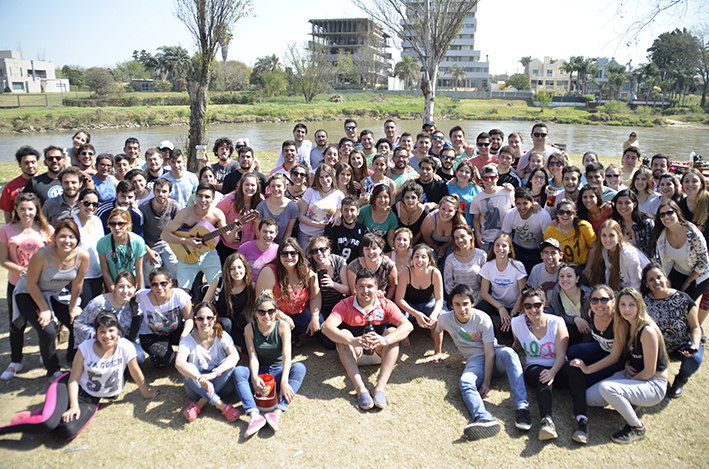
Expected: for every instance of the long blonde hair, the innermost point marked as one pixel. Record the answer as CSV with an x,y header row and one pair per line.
x,y
700,211
624,332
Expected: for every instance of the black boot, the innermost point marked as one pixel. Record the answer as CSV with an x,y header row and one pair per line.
x,y
677,387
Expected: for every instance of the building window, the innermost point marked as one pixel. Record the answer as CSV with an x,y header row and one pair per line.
x,y
550,83
535,72
550,73
18,86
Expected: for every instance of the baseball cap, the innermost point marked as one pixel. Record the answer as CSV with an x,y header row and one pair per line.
x,y
166,144
429,123
489,169
550,242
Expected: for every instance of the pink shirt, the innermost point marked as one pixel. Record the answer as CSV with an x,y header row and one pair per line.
x,y
480,163
248,231
350,312
256,257
21,246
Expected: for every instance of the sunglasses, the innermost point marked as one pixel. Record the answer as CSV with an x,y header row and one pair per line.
x,y
317,251
349,127
539,135
539,177
612,176
555,163
292,254
410,197
603,301
448,158
90,153
205,318
54,158
160,284
529,306
299,174
489,178
264,312
86,203
483,144
666,214
119,224
438,138
566,212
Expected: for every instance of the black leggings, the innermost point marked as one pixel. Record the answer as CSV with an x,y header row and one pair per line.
x,y
677,279
159,347
92,288
568,377
492,311
48,335
17,330
49,417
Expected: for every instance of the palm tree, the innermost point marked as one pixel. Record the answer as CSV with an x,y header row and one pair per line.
x,y
270,63
573,65
406,69
525,60
617,77
458,74
587,68
175,60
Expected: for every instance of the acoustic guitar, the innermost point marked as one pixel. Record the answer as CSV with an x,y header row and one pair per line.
x,y
208,234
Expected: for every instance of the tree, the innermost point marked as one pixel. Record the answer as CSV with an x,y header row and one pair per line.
x,y
208,21
267,64
101,82
232,76
428,27
365,61
458,74
703,60
174,60
346,67
75,74
519,81
406,69
525,61
129,70
677,55
274,83
617,76
544,98
311,72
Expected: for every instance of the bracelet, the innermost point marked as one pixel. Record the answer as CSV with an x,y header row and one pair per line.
x,y
217,372
386,339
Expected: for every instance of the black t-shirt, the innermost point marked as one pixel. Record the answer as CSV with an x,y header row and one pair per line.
x,y
223,171
151,179
44,187
446,177
345,241
434,191
231,181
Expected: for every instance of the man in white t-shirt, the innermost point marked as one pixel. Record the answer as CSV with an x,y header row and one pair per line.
x,y
546,274
304,146
489,207
526,228
473,333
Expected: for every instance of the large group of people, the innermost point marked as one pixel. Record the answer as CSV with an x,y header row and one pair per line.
x,y
595,278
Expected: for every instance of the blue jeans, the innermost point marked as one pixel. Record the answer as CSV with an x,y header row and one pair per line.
x,y
208,264
140,353
302,321
425,308
689,364
242,377
506,360
166,258
591,352
223,384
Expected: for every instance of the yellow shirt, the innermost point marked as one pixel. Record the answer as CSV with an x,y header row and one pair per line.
x,y
575,244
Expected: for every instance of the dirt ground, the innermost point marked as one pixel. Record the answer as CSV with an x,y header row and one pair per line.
x,y
421,427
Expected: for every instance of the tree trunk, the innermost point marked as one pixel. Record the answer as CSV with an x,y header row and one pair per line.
x,y
198,110
428,87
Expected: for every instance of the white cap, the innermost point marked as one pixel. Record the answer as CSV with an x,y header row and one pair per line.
x,y
166,144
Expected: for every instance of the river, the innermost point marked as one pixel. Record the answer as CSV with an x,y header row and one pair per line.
x,y
605,140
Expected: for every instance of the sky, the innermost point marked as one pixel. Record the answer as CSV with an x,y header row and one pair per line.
x,y
90,33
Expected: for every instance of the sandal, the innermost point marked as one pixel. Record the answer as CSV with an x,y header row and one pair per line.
x,y
192,412
231,413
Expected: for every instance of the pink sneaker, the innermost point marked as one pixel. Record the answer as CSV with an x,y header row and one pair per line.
x,y
21,416
273,420
192,412
231,413
256,424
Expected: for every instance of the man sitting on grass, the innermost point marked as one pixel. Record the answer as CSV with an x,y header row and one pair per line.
x,y
346,327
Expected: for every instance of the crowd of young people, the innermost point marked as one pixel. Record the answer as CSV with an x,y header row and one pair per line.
x,y
598,286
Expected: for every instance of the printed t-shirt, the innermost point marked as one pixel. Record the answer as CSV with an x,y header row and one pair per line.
x,y
103,377
492,208
504,286
320,209
381,229
120,259
205,359
527,233
539,351
350,313
21,247
471,336
575,244
256,257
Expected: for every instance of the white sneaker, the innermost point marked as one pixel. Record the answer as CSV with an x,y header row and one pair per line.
x,y
11,370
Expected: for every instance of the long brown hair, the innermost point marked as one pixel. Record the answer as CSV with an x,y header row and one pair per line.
x,y
229,285
218,329
614,256
38,217
458,218
700,211
363,171
660,227
239,204
301,268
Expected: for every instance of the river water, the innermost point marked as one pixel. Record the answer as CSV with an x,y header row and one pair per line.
x,y
604,140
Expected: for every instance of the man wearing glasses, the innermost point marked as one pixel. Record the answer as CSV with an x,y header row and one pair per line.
x,y
346,327
351,132
46,185
540,134
28,159
446,171
484,157
125,199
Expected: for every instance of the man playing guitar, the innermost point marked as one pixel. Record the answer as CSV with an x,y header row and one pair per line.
x,y
204,214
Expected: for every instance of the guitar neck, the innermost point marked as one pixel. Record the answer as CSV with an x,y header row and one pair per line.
x,y
220,231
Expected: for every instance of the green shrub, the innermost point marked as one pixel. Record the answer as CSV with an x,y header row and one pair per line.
x,y
613,108
162,86
695,108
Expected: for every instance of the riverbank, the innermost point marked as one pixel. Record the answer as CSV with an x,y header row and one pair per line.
x,y
291,109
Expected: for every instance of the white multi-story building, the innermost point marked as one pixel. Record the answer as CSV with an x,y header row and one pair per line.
x,y
29,76
461,52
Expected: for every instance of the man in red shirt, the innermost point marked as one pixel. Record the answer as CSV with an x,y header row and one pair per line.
x,y
346,327
27,157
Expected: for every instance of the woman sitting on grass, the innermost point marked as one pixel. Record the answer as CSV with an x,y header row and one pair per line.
x,y
98,370
269,346
644,381
206,359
